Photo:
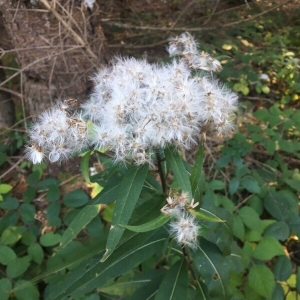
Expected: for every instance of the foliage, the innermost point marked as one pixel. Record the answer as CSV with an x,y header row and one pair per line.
x,y
117,244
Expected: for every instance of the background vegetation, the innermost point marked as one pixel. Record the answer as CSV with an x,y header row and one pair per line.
x,y
251,180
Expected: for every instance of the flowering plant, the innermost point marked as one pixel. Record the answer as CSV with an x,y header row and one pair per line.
x,y
142,115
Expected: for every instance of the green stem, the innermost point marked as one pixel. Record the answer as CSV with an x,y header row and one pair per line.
x,y
161,172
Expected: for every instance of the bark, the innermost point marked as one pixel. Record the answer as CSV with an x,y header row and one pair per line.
x,y
58,48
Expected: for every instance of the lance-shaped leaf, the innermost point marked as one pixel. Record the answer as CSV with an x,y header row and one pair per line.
x,y
84,217
153,224
84,165
205,215
212,266
175,283
197,176
129,192
94,274
179,170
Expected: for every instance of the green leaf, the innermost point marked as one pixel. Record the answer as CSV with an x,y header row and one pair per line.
x,y
267,248
261,279
153,224
205,215
18,266
250,184
36,253
281,205
238,228
294,184
129,192
179,170
27,212
175,283
29,292
50,239
84,217
216,185
5,288
33,178
6,255
11,235
9,203
250,217
233,185
282,268
210,264
29,194
94,274
197,176
76,198
5,188
298,280
279,230
53,193
3,157
84,166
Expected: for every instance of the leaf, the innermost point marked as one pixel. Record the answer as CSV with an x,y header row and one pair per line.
x,y
205,215
282,268
261,279
53,193
175,283
281,205
238,227
36,253
85,279
267,248
27,212
153,224
76,198
18,266
233,185
30,291
279,230
84,217
84,166
216,185
179,170
5,188
210,264
249,217
50,239
11,235
197,177
9,203
5,288
250,184
129,192
6,255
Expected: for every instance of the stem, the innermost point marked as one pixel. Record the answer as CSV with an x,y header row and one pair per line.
x,y
160,171
189,263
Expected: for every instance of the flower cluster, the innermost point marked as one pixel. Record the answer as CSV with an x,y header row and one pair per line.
x,y
137,108
183,227
185,46
58,133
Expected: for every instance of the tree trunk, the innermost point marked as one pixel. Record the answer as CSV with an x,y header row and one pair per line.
x,y
58,45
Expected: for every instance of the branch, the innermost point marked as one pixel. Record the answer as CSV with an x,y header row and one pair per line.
x,y
128,26
66,25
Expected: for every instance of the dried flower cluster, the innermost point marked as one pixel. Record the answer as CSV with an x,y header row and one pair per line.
x,y
183,227
57,134
137,108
